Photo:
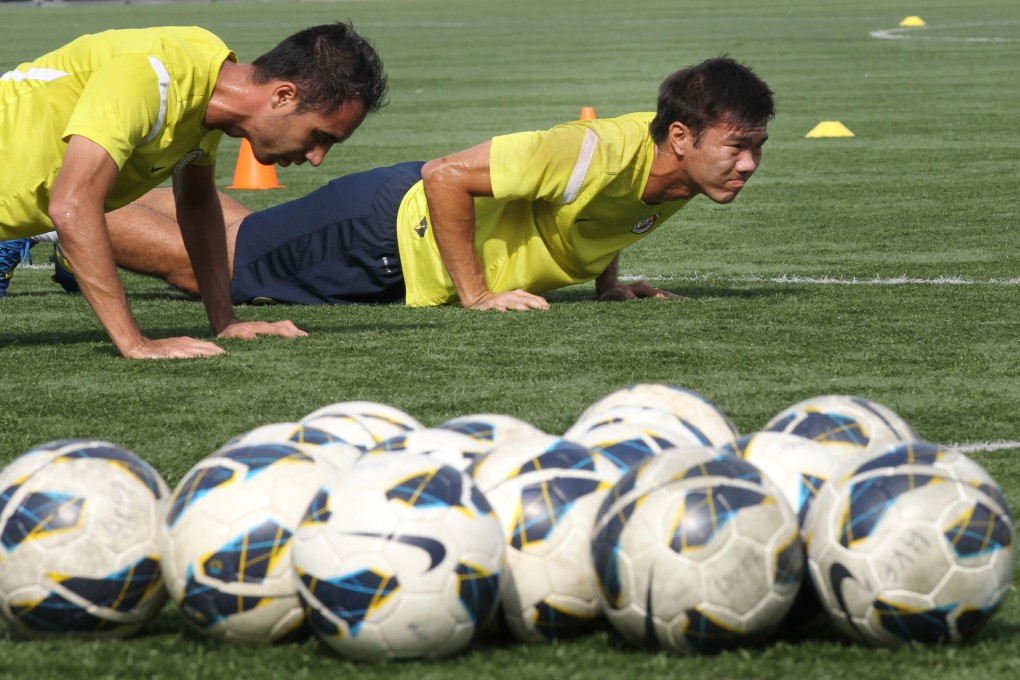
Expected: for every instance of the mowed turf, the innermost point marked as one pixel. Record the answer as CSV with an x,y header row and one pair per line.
x,y
925,190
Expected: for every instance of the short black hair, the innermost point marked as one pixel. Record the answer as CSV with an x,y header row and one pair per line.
x,y
716,91
331,64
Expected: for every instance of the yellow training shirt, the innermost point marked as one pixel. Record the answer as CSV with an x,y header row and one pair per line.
x,y
565,202
140,94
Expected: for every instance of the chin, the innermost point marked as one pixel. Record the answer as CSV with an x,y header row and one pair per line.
x,y
723,199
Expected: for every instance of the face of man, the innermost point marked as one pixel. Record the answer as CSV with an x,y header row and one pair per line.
x,y
724,159
287,136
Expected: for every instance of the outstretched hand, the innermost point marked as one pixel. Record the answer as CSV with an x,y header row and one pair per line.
x,y
516,300
190,348
248,330
638,289
171,348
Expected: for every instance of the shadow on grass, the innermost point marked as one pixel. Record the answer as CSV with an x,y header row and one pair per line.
x,y
11,340
570,295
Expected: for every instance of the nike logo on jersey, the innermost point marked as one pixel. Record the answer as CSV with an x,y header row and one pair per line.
x,y
422,227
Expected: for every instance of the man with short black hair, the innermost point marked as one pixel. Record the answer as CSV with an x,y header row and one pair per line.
x,y
96,124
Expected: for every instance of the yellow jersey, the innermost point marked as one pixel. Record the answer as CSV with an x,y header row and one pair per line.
x,y
140,94
565,202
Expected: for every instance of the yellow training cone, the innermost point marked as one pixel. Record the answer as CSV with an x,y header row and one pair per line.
x,y
913,22
830,128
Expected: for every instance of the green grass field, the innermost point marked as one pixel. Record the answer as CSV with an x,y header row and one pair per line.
x,y
883,265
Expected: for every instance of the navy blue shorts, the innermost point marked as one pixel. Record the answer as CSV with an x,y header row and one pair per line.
x,y
337,245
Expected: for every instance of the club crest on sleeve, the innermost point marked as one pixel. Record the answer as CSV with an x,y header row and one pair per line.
x,y
645,224
188,158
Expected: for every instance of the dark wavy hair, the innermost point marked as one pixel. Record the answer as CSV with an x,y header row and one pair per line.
x,y
716,91
330,64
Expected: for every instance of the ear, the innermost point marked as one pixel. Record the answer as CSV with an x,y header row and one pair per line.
x,y
284,94
679,138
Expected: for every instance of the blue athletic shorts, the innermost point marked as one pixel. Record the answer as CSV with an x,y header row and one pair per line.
x,y
337,245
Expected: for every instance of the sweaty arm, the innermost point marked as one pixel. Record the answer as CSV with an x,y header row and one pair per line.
x,y
200,218
77,210
608,287
451,184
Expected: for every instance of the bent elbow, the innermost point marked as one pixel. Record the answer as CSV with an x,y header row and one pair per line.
x,y
63,211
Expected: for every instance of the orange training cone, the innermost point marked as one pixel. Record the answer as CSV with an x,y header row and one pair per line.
x,y
588,113
250,174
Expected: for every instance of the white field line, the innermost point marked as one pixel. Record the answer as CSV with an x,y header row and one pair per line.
x,y
918,33
985,446
831,280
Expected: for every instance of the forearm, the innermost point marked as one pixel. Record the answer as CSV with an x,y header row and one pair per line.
x,y
608,279
86,243
452,211
200,218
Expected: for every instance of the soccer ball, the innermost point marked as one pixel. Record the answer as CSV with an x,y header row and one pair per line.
x,y
399,558
79,521
798,467
621,446
688,406
491,428
654,420
696,553
295,434
227,540
361,423
847,426
325,447
912,544
545,491
452,448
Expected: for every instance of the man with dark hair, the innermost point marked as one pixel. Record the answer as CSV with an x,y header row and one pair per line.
x,y
97,123
493,226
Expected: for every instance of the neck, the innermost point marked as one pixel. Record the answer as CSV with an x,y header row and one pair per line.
x,y
232,99
667,180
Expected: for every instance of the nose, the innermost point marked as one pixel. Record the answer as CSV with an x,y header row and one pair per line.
x,y
749,161
316,155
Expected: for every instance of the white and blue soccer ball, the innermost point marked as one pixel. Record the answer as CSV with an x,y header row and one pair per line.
x,y
400,558
693,410
491,429
227,540
545,491
451,447
79,553
620,446
696,551
847,426
799,468
361,423
327,448
912,544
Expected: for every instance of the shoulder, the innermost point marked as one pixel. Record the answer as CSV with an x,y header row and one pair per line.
x,y
631,128
194,35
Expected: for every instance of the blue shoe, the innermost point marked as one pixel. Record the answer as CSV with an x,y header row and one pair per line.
x,y
11,255
62,272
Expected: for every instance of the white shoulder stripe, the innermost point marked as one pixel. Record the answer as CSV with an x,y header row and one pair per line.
x,y
164,87
43,74
581,167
